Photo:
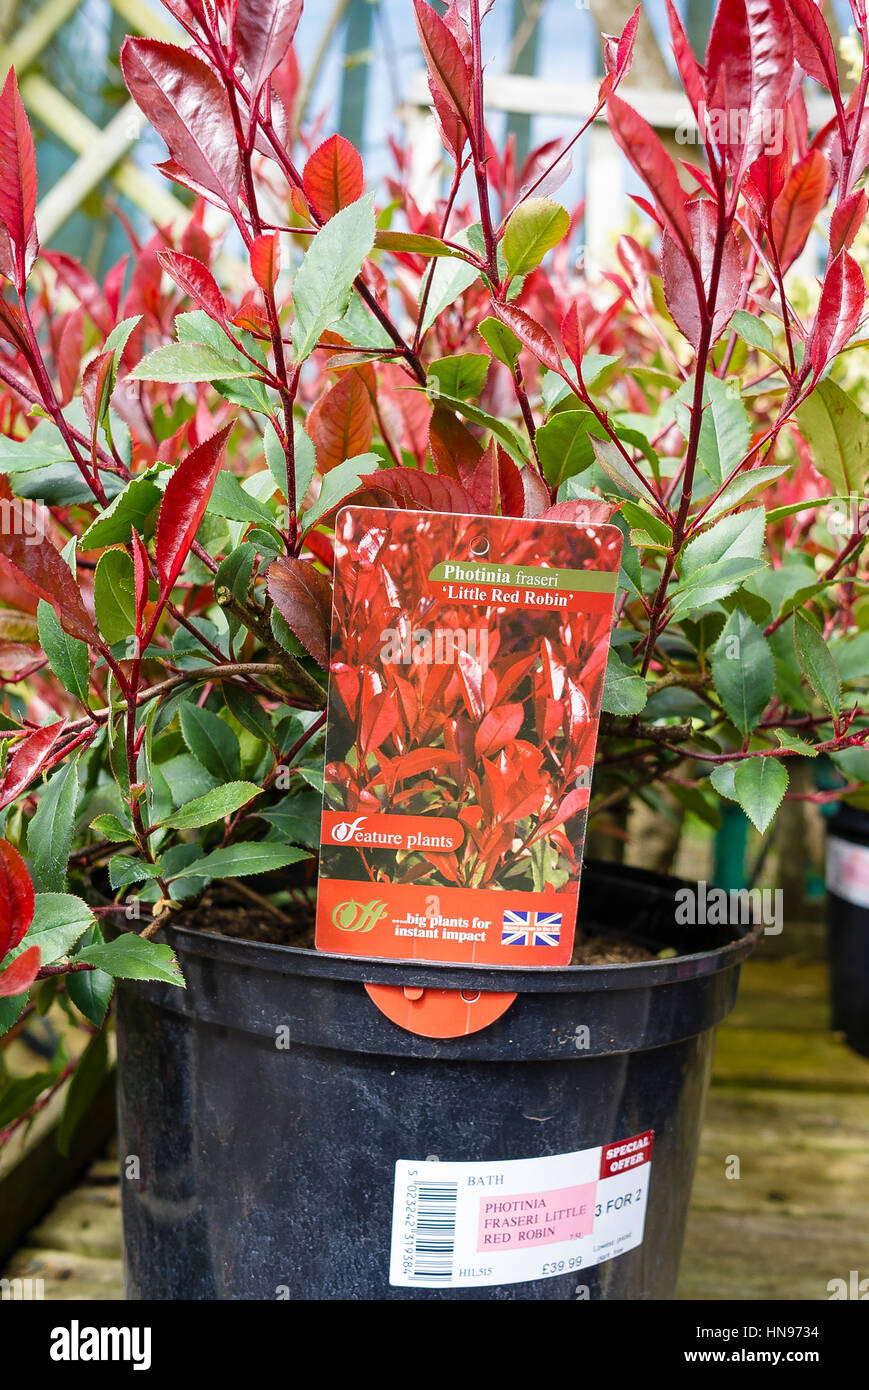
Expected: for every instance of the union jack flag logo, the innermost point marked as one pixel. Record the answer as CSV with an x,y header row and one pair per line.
x,y
531,929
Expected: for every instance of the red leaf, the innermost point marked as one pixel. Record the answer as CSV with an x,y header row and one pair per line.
x,y
407,487
690,71
28,760
645,153
839,310
537,498
265,260
619,50
798,204
448,77
264,30
341,423
17,177
16,898
141,571
69,352
813,45
532,335
572,335
379,719
848,217
749,63
20,975
183,506
196,280
679,287
96,388
452,445
83,286
581,512
44,572
765,180
186,103
333,176
498,728
303,597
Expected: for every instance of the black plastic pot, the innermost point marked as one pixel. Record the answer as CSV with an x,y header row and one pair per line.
x,y
848,910
267,1172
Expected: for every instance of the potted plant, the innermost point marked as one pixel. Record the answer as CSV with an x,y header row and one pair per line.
x,y
178,442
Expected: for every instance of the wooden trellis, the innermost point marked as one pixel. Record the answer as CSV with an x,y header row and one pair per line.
x,y
101,153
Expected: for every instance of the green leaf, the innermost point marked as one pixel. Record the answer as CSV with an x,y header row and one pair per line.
x,y
234,575
229,499
449,281
312,775
501,341
67,656
743,671
234,861
341,481
249,712
197,327
462,376
110,828
851,655
49,834
90,990
838,435
20,1093
324,280
115,596
759,785
795,744
42,448
129,957
59,919
535,227
297,818
753,331
124,870
133,509
304,460
725,434
564,445
213,806
616,466
623,692
83,1088
182,362
740,535
212,741
710,583
817,665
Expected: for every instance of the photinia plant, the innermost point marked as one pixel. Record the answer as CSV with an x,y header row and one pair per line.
x,y
177,440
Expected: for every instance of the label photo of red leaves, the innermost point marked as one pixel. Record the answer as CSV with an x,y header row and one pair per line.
x,y
467,666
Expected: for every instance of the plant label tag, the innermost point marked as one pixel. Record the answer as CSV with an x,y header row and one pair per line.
x,y
457,1225
468,661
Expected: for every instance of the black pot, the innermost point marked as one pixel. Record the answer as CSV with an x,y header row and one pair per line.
x,y
266,1172
848,909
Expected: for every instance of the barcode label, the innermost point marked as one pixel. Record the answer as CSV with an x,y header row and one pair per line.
x,y
459,1225
435,1230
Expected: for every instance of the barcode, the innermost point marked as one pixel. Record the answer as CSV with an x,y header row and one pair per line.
x,y
435,1231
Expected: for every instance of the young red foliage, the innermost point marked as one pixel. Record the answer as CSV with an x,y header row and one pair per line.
x,y
303,597
17,185
197,281
183,507
264,30
333,176
28,760
16,898
187,104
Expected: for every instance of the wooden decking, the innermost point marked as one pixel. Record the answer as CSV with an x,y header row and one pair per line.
x,y
789,1101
